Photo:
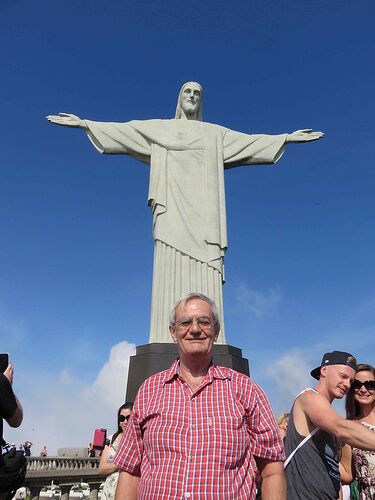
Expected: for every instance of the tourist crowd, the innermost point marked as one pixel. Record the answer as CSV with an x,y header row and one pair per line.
x,y
202,431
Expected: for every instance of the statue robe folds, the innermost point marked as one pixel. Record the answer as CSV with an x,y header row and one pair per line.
x,y
187,198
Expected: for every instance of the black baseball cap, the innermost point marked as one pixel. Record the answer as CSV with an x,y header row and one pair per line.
x,y
335,358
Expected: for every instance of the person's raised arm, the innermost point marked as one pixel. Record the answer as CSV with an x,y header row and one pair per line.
x,y
67,120
105,466
319,411
304,135
16,419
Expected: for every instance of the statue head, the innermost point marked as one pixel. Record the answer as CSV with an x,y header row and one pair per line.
x,y
190,102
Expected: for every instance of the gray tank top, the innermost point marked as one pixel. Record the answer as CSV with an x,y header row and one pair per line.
x,y
313,472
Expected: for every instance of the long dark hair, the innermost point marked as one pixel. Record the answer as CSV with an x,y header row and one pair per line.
x,y
353,410
126,406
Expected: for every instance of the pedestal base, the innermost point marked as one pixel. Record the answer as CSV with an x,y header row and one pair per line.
x,y
153,358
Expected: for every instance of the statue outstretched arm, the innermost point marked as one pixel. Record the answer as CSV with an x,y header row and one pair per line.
x,y
130,138
304,135
67,120
260,149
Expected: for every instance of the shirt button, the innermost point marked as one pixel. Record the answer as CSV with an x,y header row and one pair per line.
x,y
187,494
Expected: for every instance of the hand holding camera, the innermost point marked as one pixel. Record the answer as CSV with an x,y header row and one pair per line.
x,y
6,367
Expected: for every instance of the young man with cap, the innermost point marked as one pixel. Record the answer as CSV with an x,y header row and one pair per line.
x,y
315,430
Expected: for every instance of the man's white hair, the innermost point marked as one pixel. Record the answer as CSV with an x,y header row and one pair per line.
x,y
186,298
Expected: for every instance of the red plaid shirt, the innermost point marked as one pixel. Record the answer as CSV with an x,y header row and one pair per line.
x,y
198,445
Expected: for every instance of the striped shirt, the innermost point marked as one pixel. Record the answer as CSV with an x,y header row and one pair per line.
x,y
202,444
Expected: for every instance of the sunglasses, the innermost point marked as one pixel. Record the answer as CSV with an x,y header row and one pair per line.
x,y
369,384
122,418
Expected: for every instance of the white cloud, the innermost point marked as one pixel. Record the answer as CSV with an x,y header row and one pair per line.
x,y
291,373
66,377
64,411
259,303
286,374
110,383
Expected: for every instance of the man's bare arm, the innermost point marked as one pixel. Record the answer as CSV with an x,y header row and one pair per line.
x,y
16,419
273,479
105,466
319,411
127,486
346,472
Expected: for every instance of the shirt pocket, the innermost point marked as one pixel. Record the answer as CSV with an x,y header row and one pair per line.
x,y
164,437
228,440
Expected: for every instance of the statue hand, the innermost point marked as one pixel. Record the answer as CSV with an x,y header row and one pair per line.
x,y
304,135
67,120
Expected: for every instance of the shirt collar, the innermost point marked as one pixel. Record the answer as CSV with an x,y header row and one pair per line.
x,y
172,372
214,371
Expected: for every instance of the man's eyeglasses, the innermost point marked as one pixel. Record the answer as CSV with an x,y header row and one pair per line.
x,y
122,418
369,384
204,323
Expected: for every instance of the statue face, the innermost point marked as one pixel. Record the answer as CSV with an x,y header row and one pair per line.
x,y
191,98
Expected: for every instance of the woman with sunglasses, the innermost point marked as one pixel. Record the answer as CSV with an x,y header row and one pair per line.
x,y
360,406
106,468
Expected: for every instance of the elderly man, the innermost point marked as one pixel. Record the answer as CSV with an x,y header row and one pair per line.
x,y
198,430
315,431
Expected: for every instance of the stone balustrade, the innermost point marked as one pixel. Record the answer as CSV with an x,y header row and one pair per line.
x,y
61,464
65,472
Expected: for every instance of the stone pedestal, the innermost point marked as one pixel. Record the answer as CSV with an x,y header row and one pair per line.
x,y
155,357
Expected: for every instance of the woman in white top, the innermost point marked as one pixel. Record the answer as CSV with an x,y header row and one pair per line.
x,y
106,468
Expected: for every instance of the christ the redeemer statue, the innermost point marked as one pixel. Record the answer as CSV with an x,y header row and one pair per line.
x,y
186,193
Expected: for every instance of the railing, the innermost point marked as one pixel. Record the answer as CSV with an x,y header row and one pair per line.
x,y
65,472
61,464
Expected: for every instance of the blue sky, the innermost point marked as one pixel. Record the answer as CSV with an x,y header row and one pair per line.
x,y
76,252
